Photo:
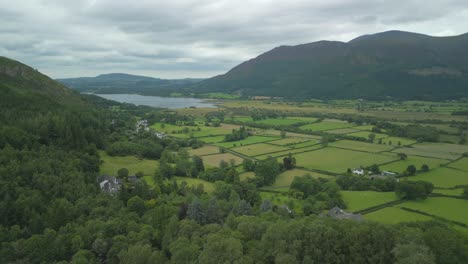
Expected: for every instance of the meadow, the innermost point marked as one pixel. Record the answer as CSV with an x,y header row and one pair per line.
x,y
359,200
362,146
443,177
205,150
395,215
325,125
339,160
447,208
247,141
401,165
111,164
214,159
285,179
461,164
258,149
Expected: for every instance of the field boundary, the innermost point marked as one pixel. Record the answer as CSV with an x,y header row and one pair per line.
x,y
378,207
434,216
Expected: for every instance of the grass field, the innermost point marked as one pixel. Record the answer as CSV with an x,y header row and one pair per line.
x,y
286,152
285,178
362,146
339,160
214,160
437,150
365,134
310,142
111,165
282,199
288,141
456,192
395,215
272,121
325,125
274,132
443,177
205,150
207,186
365,127
212,139
246,175
401,165
448,208
343,131
247,141
395,140
258,149
358,200
461,164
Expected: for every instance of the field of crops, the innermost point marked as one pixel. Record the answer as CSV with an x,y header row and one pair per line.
x,y
443,177
358,200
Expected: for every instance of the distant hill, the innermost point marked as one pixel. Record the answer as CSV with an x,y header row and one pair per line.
x,y
394,64
126,83
22,88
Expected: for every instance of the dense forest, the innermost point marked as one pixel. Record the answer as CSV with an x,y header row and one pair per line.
x,y
52,210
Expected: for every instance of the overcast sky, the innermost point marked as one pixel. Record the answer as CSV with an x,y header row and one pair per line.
x,y
199,38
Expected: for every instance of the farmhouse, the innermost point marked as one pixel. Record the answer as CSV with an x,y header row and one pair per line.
x,y
338,213
110,184
358,171
141,125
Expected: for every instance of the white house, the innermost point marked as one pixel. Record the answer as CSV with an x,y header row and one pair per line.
x,y
358,171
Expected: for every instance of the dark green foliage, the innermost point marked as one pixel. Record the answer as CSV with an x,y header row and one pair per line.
x,y
414,190
237,134
388,64
411,170
289,162
267,170
358,183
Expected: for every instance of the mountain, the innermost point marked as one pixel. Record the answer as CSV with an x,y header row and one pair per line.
x,y
126,83
23,87
393,64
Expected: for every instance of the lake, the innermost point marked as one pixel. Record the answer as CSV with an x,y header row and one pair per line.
x,y
157,101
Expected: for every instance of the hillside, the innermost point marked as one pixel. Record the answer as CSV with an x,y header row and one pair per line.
x,y
125,83
393,64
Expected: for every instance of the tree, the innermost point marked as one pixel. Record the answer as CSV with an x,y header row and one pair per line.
x,y
289,162
374,169
266,206
195,212
411,169
424,168
136,204
402,156
283,133
198,162
267,170
413,253
221,249
372,137
122,173
248,165
413,190
164,170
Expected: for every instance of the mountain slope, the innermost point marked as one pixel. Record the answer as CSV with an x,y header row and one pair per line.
x,y
125,83
390,64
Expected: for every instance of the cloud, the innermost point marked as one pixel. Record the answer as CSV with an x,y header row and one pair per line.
x,y
188,38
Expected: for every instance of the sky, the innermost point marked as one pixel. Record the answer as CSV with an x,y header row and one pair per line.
x,y
197,38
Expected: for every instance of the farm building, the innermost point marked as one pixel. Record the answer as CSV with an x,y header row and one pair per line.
x,y
338,213
358,171
110,184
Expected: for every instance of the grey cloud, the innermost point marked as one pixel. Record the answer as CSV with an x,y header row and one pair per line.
x,y
189,38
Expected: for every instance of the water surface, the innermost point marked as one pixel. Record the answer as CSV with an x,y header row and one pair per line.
x,y
157,101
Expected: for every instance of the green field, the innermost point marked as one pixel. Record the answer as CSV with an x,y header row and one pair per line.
x,y
289,141
111,165
338,160
325,125
362,146
358,200
437,150
212,139
461,164
208,186
395,215
343,131
205,150
282,199
214,160
310,142
448,208
401,165
258,149
246,175
272,121
285,178
364,127
455,192
286,152
395,140
196,131
365,134
247,141
443,177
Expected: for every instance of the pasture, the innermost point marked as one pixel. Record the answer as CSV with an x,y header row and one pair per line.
x,y
214,159
401,165
359,200
246,175
397,141
448,208
461,164
325,125
339,160
443,177
111,164
247,141
395,215
343,131
207,186
258,149
286,152
285,179
205,150
288,141
454,192
365,134
361,146
432,152
280,199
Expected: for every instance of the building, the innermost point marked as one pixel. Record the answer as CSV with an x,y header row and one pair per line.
x,y
358,171
109,184
141,125
338,213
